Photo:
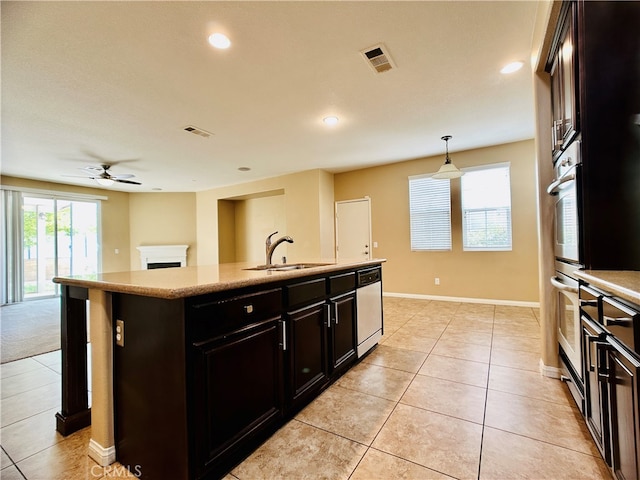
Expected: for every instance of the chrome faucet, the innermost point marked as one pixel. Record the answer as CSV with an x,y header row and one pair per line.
x,y
270,247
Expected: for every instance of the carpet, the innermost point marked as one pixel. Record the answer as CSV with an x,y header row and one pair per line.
x,y
29,328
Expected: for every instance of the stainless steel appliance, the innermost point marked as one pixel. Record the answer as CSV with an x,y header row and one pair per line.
x,y
369,305
564,188
569,330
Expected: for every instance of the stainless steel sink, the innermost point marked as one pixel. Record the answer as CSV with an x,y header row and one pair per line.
x,y
288,266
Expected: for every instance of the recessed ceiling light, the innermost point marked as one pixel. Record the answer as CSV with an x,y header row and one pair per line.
x,y
156,189
512,67
244,169
219,40
331,121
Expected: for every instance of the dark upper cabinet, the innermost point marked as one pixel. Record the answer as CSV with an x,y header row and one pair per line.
x,y
594,68
609,90
562,68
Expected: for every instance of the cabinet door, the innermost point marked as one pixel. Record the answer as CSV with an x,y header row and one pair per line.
x,y
238,389
623,400
563,82
595,391
342,331
307,350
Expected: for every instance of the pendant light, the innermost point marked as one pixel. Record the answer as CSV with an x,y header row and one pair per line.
x,y
448,170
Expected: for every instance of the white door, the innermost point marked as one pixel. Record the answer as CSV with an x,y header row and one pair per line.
x,y
353,229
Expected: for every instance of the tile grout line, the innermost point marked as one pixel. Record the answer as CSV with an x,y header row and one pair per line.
x,y
486,393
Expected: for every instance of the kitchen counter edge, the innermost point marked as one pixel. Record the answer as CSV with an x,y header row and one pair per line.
x,y
200,280
622,283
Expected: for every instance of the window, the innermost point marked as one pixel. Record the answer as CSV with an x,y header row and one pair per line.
x,y
430,213
486,207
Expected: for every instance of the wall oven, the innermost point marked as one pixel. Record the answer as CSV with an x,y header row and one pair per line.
x,y
564,189
569,330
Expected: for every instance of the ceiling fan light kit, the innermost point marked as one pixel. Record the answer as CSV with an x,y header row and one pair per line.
x,y
102,176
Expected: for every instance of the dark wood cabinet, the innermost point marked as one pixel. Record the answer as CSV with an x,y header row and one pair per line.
x,y
237,392
200,382
562,68
307,352
611,363
342,331
624,391
595,388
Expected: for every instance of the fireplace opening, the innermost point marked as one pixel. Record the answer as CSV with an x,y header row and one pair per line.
x,y
151,266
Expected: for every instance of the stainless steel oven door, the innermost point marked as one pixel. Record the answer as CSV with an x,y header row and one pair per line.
x,y
569,333
564,188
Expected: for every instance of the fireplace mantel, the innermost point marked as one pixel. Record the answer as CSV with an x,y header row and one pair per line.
x,y
162,254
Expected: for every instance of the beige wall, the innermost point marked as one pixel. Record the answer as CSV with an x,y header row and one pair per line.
x,y
162,219
114,214
255,219
511,276
308,213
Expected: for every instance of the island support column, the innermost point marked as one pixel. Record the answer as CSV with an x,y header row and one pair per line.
x,y
75,413
102,445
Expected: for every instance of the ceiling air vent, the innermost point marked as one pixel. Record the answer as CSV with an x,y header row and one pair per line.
x,y
197,131
378,58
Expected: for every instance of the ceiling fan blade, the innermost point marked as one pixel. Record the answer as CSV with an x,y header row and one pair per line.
x,y
91,168
125,181
77,176
122,176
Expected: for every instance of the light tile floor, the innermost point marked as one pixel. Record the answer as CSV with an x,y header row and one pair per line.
x,y
452,391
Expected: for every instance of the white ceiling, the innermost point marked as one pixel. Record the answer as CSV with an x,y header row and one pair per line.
x,y
85,83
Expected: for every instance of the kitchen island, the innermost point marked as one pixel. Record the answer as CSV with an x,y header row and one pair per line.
x,y
193,367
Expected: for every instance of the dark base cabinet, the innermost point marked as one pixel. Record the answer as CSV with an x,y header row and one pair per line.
x,y
307,353
624,391
343,331
595,387
200,382
237,393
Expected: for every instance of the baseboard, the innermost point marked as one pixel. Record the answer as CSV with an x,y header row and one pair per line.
x,y
490,301
547,371
102,456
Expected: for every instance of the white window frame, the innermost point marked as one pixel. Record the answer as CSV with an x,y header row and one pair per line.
x,y
509,224
424,239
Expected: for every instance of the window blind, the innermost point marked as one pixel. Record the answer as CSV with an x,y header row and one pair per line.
x,y
486,207
430,213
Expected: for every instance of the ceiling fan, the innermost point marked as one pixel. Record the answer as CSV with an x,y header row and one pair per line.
x,y
102,176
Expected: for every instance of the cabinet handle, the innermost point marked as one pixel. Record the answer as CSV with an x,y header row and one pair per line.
x,y
335,309
283,335
248,309
624,321
328,314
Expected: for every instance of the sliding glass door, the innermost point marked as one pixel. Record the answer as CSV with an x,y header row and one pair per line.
x,y
60,238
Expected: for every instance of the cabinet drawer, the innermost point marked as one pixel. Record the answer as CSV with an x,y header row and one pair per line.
x,y
342,283
222,316
590,302
305,292
622,321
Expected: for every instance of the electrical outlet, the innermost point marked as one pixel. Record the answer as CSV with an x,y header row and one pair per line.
x,y
437,281
120,333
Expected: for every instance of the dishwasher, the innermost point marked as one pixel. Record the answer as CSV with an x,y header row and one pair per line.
x,y
369,305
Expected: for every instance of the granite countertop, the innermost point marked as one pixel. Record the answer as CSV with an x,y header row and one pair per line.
x,y
622,283
189,281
